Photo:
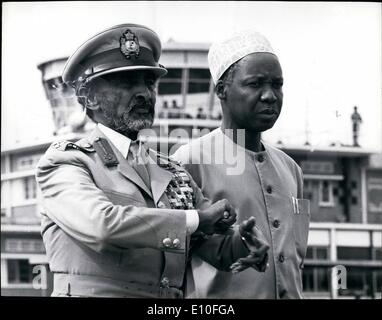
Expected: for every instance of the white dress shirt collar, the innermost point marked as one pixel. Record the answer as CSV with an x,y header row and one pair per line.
x,y
121,142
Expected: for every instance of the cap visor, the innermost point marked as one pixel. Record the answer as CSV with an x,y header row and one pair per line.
x,y
160,72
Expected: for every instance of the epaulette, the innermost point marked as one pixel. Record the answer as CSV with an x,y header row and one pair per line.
x,y
105,152
68,145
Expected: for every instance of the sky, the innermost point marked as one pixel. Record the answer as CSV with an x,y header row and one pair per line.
x,y
330,54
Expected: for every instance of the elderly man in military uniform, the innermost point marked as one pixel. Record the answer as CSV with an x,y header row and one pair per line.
x,y
248,81
119,219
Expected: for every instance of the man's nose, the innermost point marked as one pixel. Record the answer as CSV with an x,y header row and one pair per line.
x,y
268,95
142,92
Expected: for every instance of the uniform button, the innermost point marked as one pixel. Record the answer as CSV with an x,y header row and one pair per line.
x,y
176,243
282,293
161,204
167,242
276,223
165,282
260,158
281,258
269,189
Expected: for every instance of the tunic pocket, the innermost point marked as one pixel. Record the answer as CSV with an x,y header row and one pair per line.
x,y
301,219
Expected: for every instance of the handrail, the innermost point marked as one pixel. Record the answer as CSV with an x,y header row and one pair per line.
x,y
367,264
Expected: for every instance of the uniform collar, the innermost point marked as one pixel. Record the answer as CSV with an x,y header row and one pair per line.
x,y
121,142
227,139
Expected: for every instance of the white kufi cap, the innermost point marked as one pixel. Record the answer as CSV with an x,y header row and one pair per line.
x,y
223,54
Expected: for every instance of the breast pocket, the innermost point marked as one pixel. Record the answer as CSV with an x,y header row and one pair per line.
x,y
301,219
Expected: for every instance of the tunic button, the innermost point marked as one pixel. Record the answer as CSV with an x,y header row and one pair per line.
x,y
260,158
282,293
281,258
176,243
269,189
276,223
161,204
165,282
167,242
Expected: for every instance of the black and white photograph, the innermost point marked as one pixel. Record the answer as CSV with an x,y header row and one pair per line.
x,y
191,150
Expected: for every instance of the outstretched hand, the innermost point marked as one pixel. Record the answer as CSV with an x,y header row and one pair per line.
x,y
257,245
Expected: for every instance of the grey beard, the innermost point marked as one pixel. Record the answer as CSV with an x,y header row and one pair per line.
x,y
126,125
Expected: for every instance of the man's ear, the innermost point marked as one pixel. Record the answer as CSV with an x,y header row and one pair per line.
x,y
220,90
92,103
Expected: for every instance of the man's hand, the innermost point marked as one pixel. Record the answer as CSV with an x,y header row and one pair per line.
x,y
217,218
258,246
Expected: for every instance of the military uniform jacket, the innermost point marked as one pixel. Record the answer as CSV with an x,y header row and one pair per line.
x,y
106,233
270,188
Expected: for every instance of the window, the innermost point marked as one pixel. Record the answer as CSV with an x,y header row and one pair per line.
x,y
317,167
360,282
171,83
3,164
199,81
308,190
30,188
24,245
27,162
326,193
316,279
20,271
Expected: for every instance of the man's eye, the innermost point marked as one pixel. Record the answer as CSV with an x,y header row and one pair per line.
x,y
255,84
277,85
151,82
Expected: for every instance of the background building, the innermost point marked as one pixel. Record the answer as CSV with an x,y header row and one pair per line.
x,y
344,183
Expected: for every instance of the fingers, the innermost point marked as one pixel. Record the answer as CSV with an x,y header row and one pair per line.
x,y
244,263
227,207
230,220
259,264
251,222
238,267
229,213
262,249
265,263
247,225
253,240
224,224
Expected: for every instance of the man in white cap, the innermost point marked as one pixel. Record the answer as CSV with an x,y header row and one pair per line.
x,y
248,79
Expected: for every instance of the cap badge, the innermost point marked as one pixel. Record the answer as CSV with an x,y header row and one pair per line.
x,y
129,44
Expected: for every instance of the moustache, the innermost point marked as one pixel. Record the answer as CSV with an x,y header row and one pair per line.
x,y
141,105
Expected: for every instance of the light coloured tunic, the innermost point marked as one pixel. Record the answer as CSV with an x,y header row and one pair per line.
x,y
267,189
